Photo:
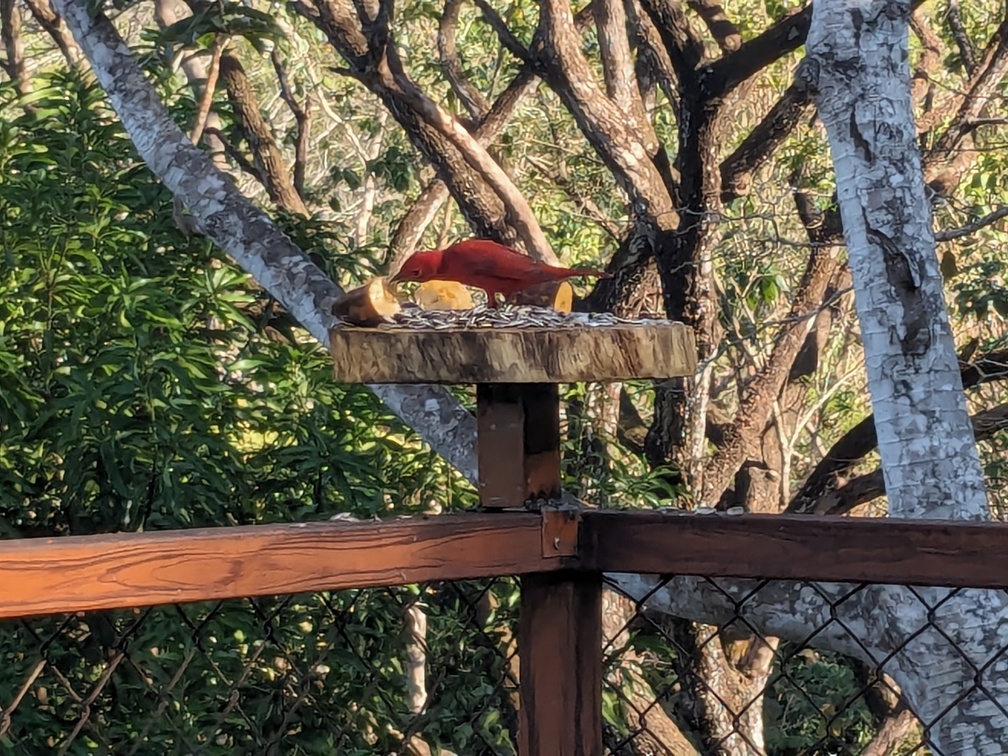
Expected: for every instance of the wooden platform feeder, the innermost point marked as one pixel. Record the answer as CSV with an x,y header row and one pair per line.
x,y
516,358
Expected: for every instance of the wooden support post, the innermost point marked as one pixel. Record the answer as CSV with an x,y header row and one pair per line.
x,y
518,442
560,650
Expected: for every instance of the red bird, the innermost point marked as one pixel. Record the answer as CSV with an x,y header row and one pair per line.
x,y
487,265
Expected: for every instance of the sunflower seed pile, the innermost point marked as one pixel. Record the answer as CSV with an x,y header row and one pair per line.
x,y
509,316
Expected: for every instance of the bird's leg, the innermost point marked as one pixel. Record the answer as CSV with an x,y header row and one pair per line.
x,y
492,299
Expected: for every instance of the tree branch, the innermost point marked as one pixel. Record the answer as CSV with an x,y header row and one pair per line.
x,y
952,153
244,232
412,226
756,404
684,47
617,67
373,62
929,59
10,31
510,42
860,440
267,156
864,488
725,33
961,38
49,20
451,63
302,116
603,123
781,39
519,214
738,168
971,228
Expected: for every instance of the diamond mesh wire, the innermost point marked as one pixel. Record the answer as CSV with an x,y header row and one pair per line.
x,y
418,669
433,669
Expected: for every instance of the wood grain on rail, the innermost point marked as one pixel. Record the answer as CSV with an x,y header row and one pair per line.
x,y
842,549
55,575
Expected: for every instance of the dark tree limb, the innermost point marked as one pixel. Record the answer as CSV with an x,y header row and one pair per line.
x,y
781,39
864,488
412,226
48,19
10,32
762,391
617,142
371,60
737,169
929,59
725,33
472,99
971,228
267,156
952,153
240,158
302,116
510,42
618,69
961,38
861,440
684,47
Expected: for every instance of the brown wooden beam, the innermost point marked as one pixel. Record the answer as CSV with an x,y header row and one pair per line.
x,y
798,547
55,575
518,442
560,651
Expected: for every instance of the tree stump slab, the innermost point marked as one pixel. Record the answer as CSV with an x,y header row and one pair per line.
x,y
460,347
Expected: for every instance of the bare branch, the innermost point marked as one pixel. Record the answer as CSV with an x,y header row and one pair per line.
x,y
240,158
504,34
952,153
302,116
860,440
864,488
413,224
257,133
206,101
738,168
684,47
653,63
49,20
604,124
929,60
451,64
725,33
761,392
10,31
520,215
961,38
971,228
617,66
781,39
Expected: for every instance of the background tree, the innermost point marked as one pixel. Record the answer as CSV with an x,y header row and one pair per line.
x,y
666,138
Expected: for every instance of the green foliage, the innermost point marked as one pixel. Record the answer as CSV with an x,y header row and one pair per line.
x,y
140,393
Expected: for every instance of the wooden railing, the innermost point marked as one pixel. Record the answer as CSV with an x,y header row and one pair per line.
x,y
560,555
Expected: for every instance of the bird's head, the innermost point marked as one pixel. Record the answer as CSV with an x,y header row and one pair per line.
x,y
421,266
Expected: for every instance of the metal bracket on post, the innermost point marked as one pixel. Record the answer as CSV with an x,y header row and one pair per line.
x,y
560,530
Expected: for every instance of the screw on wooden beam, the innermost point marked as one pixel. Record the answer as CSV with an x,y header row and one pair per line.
x,y
560,527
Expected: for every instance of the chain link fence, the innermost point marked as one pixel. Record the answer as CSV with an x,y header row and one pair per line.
x,y
427,669
418,669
